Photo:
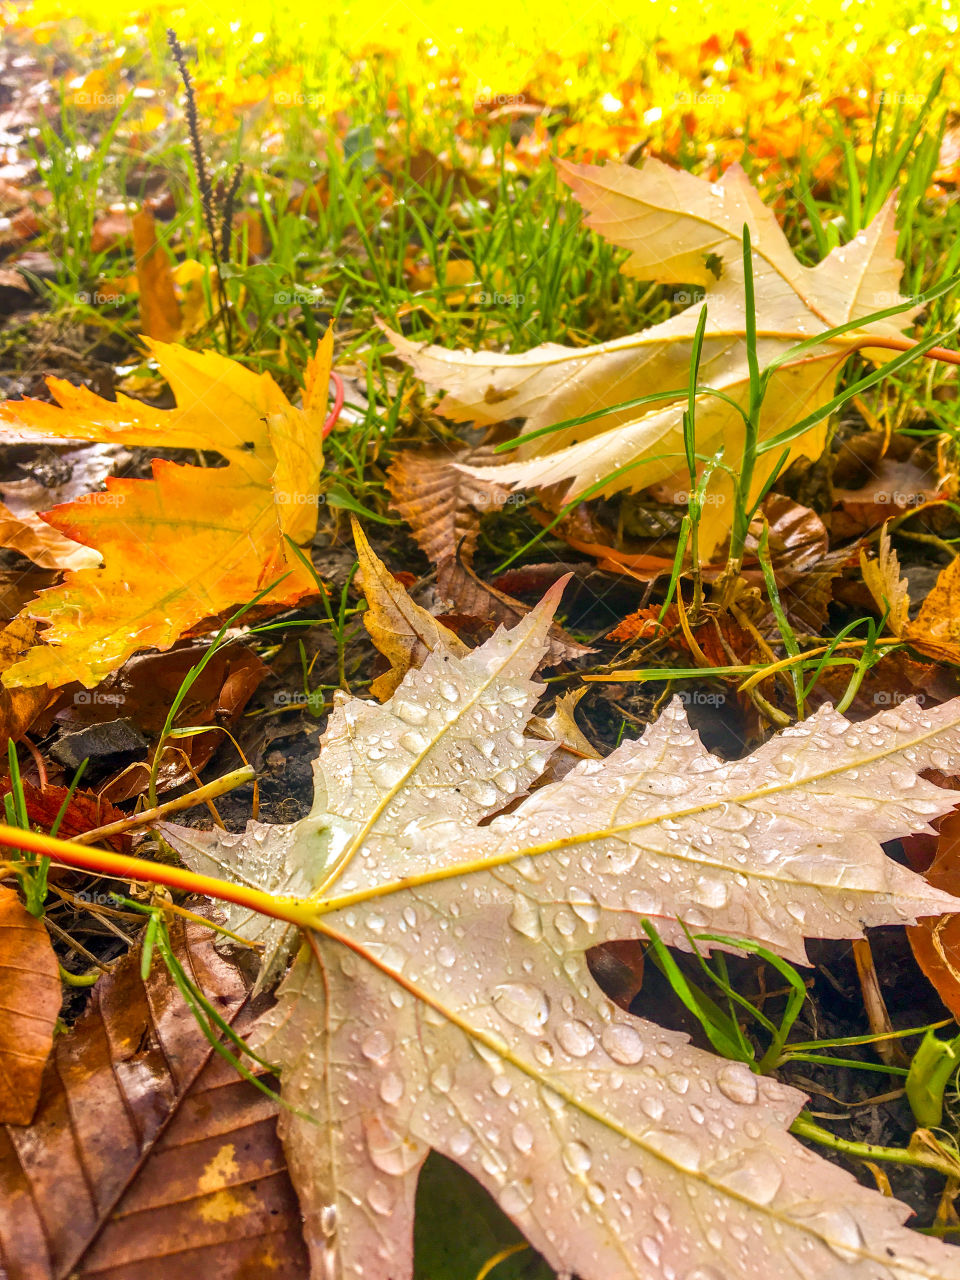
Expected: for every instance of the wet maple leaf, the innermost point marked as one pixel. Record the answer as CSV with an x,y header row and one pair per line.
x,y
192,542
444,1000
680,230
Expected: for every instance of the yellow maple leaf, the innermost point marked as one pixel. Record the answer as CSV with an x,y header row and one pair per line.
x,y
192,542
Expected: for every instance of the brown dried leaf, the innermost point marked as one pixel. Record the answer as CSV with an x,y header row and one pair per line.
x,y
461,586
29,1007
424,170
583,533
149,1157
17,587
617,968
797,540
535,579
442,504
710,632
803,565
142,691
15,291
112,231
936,629
86,811
902,478
897,678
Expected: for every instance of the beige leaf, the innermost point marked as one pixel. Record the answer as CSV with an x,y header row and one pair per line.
x,y
936,629
882,579
42,544
679,229
441,503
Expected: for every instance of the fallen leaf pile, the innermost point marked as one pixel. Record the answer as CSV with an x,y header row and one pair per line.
x,y
685,231
444,1000
194,541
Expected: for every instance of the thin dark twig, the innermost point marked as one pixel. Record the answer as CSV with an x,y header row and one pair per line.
x,y
203,178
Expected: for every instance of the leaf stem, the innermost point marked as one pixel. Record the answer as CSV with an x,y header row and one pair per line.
x,y
805,1127
907,344
104,862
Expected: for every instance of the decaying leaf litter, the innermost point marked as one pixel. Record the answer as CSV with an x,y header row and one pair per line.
x,y
472,859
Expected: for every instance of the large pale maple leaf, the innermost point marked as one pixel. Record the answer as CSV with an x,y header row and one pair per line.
x,y
193,541
679,229
444,1000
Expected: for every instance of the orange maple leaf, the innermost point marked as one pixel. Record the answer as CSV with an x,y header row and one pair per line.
x,y
192,542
